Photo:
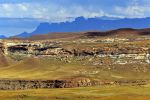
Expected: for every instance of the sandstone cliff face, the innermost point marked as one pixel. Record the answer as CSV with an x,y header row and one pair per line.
x,y
119,53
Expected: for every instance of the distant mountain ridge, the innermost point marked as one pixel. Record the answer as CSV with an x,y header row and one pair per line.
x,y
2,37
122,32
91,24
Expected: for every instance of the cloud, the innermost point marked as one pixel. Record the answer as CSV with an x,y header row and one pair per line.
x,y
134,9
51,12
130,11
58,10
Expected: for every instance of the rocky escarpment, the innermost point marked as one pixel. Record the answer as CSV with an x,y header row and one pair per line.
x,y
110,46
35,84
31,84
121,51
78,82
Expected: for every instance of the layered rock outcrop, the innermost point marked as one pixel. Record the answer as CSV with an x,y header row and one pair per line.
x,y
78,82
120,53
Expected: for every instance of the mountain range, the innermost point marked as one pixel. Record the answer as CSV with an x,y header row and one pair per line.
x,y
2,36
81,24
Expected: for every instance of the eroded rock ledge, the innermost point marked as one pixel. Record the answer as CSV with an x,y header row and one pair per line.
x,y
37,84
120,51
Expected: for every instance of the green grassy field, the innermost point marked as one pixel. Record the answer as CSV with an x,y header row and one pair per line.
x,y
84,93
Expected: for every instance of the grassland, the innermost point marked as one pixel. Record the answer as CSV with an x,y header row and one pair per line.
x,y
61,68
43,68
84,93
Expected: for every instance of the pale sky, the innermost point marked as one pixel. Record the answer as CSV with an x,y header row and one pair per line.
x,y
62,9
66,10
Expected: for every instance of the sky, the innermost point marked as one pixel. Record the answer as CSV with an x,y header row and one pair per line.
x,y
67,10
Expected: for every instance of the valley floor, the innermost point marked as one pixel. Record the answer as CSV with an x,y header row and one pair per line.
x,y
84,93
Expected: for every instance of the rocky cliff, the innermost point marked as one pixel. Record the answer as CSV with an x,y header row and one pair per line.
x,y
119,50
77,82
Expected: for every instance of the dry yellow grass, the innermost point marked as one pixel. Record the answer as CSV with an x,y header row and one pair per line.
x,y
85,93
54,68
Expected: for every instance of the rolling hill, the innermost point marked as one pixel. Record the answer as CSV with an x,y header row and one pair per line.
x,y
122,32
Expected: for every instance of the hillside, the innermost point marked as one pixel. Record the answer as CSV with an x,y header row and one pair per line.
x,y
114,54
77,59
123,32
4,60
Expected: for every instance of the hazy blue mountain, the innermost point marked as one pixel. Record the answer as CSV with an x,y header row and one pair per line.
x,y
2,36
24,34
90,24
